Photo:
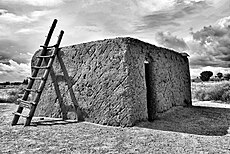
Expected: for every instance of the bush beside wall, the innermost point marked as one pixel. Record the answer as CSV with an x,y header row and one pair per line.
x,y
219,91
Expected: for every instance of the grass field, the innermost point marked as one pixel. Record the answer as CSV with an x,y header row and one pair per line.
x,y
195,130
11,94
182,130
207,91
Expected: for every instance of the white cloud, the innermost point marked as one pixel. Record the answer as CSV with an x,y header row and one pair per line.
x,y
191,1
87,28
224,22
19,26
149,6
14,71
7,17
156,5
37,14
170,41
93,2
5,31
48,3
26,31
3,11
44,2
208,49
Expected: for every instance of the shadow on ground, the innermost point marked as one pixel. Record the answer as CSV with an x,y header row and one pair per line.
x,y
49,122
197,120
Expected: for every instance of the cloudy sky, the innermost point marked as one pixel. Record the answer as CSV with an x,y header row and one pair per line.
x,y
199,27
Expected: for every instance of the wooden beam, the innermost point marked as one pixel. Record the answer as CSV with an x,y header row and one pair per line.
x,y
70,89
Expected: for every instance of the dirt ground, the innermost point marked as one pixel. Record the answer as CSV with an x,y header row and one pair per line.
x,y
199,129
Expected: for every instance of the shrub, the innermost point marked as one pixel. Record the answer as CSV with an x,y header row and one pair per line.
x,y
227,76
11,95
9,99
21,89
12,92
226,96
200,94
212,91
219,75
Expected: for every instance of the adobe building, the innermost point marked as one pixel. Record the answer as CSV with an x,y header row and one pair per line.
x,y
115,82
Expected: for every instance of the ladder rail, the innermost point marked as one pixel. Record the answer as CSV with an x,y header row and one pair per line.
x,y
39,62
46,73
34,73
43,82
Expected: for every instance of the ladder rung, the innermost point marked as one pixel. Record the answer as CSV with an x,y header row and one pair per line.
x,y
41,67
28,102
48,46
33,90
36,78
22,104
48,56
19,114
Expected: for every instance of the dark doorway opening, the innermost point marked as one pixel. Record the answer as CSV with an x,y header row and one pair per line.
x,y
151,106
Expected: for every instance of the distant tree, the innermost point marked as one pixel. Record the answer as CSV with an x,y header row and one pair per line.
x,y
219,75
6,83
227,76
15,83
205,75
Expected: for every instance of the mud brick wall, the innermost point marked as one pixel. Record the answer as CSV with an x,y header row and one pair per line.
x,y
99,80
171,79
168,78
108,79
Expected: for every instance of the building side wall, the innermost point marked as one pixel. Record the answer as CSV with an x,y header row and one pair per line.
x,y
169,78
171,86
134,61
99,80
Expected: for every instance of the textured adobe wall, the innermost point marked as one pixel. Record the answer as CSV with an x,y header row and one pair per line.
x,y
108,81
134,61
169,77
99,80
171,80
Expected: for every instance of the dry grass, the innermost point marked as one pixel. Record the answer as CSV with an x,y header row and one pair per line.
x,y
181,130
207,91
10,95
184,130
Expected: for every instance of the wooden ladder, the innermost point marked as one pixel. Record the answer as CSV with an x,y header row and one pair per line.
x,y
47,59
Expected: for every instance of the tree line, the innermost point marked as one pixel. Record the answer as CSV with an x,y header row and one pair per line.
x,y
206,75
25,81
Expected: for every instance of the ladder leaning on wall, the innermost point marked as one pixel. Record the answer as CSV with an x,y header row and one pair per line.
x,y
47,59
